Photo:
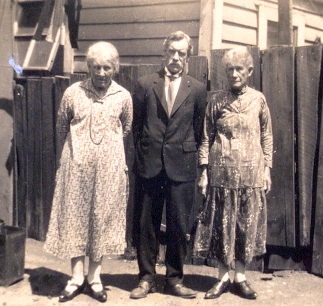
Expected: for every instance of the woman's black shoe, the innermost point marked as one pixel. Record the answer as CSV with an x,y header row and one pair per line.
x,y
100,296
244,290
67,296
218,288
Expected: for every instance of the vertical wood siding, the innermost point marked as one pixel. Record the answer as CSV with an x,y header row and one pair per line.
x,y
278,88
308,66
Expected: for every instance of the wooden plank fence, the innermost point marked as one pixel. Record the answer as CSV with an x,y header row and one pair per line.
x,y
290,79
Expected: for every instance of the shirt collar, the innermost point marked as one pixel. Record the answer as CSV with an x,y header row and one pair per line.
x,y
177,75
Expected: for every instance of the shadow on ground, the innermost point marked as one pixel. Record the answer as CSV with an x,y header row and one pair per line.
x,y
47,282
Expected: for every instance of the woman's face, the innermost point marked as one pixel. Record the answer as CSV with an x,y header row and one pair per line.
x,y
237,73
101,72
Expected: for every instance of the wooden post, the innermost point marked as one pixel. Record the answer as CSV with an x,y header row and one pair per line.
x,y
285,22
205,32
278,88
210,33
308,70
7,210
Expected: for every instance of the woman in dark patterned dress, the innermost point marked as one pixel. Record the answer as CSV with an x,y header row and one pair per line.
x,y
88,216
236,157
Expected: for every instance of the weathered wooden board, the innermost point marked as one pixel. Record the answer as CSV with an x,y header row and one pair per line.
x,y
236,34
244,5
148,47
278,88
198,68
122,3
61,83
137,30
20,136
308,68
48,156
127,76
138,13
34,152
317,258
218,76
240,16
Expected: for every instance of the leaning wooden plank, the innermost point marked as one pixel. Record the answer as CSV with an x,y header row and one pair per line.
x,y
20,135
317,259
34,153
308,68
48,163
278,87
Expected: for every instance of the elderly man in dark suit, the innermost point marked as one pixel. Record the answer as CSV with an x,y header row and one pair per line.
x,y
169,109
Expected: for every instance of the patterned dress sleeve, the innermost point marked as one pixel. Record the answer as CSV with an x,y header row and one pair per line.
x,y
127,114
208,134
266,133
65,115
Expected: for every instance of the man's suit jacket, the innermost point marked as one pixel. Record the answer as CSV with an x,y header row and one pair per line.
x,y
168,142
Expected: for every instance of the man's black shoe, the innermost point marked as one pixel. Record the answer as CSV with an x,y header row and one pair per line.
x,y
179,290
143,289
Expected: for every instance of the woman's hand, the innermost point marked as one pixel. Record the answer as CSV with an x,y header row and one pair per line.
x,y
203,182
267,180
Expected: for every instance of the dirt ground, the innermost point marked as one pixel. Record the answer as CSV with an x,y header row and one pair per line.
x,y
46,275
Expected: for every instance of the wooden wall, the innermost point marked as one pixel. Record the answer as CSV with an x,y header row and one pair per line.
x,y
136,28
7,211
244,21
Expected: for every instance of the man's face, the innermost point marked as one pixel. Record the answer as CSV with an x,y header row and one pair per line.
x,y
237,73
101,72
176,56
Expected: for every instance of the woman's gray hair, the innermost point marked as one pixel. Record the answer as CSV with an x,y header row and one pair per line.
x,y
238,52
177,36
103,50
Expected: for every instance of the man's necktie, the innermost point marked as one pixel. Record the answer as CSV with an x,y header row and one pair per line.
x,y
171,94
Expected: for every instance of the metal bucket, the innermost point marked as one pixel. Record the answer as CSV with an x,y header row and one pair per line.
x,y
12,255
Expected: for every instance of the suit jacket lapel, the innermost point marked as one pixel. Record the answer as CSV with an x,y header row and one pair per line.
x,y
159,89
183,92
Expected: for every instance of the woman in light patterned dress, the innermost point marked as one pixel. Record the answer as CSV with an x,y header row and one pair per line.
x,y
236,157
88,215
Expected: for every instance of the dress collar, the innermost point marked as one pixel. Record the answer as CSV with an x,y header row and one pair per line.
x,y
240,92
112,89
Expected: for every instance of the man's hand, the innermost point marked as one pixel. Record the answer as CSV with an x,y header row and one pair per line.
x,y
203,182
267,180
